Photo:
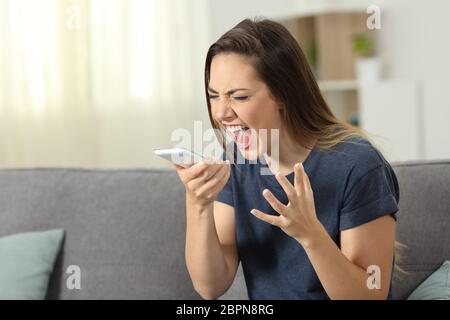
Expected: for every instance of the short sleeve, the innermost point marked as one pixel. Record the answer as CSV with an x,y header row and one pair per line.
x,y
226,194
370,195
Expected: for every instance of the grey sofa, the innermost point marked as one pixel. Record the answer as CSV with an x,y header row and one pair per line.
x,y
125,229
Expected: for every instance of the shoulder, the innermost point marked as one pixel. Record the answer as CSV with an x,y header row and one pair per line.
x,y
369,185
357,156
361,151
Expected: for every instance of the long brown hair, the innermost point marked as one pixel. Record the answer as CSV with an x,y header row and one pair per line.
x,y
281,64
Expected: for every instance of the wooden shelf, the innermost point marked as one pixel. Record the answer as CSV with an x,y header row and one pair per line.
x,y
325,30
326,41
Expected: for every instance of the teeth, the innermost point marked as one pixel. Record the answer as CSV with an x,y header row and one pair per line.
x,y
235,128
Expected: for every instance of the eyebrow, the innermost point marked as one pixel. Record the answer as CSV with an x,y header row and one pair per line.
x,y
229,92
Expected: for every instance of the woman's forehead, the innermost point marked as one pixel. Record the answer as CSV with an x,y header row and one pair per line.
x,y
230,71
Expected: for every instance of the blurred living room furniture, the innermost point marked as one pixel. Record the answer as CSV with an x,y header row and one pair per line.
x,y
125,228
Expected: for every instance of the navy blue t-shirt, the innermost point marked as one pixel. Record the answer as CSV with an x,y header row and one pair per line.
x,y
352,185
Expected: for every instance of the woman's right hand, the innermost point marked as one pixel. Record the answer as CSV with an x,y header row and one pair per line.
x,y
204,180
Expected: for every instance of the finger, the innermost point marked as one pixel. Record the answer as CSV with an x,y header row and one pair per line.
x,y
182,173
209,172
201,180
178,167
306,180
287,187
214,168
203,169
196,170
215,179
273,220
219,186
274,202
299,179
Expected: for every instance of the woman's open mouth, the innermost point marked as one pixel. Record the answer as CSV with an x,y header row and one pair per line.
x,y
241,135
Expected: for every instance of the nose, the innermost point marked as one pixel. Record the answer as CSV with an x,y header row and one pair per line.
x,y
222,110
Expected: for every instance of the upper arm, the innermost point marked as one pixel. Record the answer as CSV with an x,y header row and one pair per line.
x,y
372,244
226,231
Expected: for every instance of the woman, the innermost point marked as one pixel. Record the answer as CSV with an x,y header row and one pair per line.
x,y
327,216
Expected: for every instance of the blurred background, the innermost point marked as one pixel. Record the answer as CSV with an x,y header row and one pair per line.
x,y
100,83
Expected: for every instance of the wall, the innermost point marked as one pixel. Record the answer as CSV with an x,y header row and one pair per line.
x,y
414,44
226,14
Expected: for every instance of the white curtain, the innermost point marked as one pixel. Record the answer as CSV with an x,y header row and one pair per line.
x,y
98,82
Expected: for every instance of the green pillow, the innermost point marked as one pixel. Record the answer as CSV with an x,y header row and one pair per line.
x,y
436,286
26,263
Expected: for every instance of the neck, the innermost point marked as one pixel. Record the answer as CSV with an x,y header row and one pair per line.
x,y
290,152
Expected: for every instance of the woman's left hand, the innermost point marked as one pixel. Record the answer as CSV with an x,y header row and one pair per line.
x,y
298,218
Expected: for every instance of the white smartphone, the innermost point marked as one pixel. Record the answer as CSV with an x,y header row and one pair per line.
x,y
179,156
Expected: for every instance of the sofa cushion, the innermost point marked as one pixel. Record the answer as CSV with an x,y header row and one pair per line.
x,y
27,261
435,287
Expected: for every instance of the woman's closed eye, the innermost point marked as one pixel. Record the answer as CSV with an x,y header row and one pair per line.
x,y
238,98
241,98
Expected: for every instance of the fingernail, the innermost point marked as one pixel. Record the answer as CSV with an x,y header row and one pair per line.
x,y
227,161
297,165
265,192
253,211
278,175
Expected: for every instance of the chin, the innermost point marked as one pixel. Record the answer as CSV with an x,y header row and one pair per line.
x,y
250,153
